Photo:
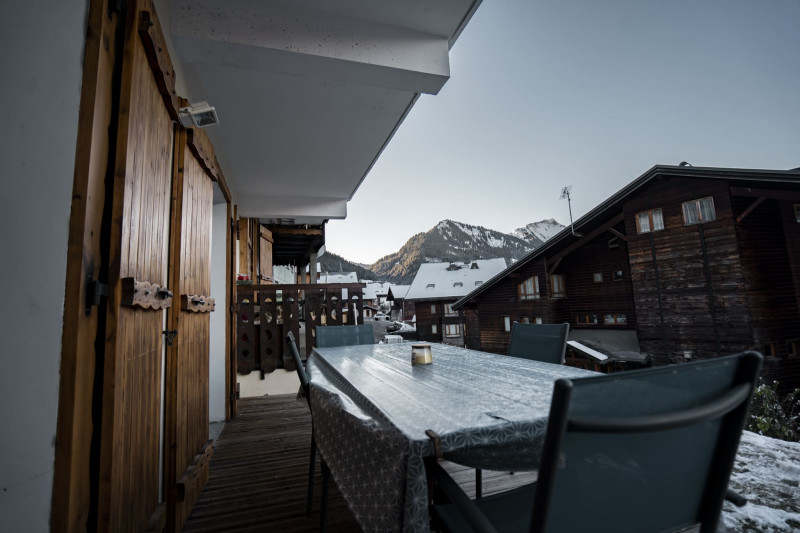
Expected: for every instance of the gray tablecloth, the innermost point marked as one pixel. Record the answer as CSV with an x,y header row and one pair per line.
x,y
371,409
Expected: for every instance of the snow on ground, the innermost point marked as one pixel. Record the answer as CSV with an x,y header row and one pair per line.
x,y
767,473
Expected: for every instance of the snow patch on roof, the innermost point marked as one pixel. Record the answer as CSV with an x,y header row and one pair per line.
x,y
452,280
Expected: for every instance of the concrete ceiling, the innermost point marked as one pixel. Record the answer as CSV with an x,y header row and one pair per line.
x,y
308,92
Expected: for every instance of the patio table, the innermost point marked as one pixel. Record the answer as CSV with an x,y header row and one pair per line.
x,y
372,410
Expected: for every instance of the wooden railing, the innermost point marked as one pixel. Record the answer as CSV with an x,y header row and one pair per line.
x,y
266,313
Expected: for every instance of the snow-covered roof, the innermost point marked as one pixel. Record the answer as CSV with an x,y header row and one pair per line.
x,y
375,289
338,277
435,281
399,292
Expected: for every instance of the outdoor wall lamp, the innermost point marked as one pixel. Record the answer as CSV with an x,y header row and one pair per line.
x,y
198,115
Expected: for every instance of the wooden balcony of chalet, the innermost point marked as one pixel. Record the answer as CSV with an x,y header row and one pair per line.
x,y
259,470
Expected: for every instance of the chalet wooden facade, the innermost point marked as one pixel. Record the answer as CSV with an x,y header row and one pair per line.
x,y
436,287
698,261
128,223
400,310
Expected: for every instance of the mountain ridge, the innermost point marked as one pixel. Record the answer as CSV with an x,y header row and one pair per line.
x,y
448,240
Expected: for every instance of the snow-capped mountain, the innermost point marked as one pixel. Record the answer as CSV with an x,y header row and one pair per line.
x,y
538,232
456,241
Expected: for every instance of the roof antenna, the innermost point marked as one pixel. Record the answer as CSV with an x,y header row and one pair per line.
x,y
565,194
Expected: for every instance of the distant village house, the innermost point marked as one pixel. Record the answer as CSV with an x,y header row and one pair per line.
x,y
435,289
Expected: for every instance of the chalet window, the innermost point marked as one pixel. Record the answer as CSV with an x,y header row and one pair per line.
x,y
615,319
697,211
525,320
458,284
434,329
586,319
537,320
433,309
797,213
506,323
770,350
448,310
478,283
529,289
430,285
649,221
791,347
559,290
616,275
597,277
452,330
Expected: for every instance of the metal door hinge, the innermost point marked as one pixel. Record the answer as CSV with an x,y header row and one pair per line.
x,y
95,292
170,335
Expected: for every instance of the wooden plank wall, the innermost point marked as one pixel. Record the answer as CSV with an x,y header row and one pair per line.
x,y
426,320
264,255
503,299
771,263
72,480
472,333
697,293
129,471
187,360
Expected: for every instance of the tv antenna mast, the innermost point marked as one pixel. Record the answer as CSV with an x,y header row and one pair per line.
x,y
565,195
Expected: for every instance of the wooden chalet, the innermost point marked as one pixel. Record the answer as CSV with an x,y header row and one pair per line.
x,y
400,309
699,262
436,287
154,150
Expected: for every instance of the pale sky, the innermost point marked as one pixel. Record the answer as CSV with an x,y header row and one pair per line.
x,y
547,93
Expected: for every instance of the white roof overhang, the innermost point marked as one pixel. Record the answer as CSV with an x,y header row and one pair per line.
x,y
308,92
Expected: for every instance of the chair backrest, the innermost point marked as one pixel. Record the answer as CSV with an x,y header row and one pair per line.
x,y
540,342
644,450
330,336
298,363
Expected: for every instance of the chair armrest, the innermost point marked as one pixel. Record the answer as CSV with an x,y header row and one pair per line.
x,y
471,512
735,498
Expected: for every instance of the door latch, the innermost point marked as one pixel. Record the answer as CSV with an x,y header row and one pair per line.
x,y
170,335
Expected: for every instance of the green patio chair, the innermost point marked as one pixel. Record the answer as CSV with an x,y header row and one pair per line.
x,y
304,384
539,342
641,451
330,336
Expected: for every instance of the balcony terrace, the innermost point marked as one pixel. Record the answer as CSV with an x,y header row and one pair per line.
x,y
258,474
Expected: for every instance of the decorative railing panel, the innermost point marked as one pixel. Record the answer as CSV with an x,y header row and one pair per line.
x,y
266,313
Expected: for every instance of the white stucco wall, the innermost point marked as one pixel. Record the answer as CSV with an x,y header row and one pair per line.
x,y
41,65
216,363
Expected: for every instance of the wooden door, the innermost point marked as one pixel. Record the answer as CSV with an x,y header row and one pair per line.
x,y
129,482
187,448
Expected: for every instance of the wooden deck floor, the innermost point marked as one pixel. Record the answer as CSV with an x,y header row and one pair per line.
x,y
258,473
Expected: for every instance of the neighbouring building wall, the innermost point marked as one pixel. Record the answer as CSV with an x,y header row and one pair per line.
x,y
688,279
598,288
429,321
42,65
284,274
217,347
504,300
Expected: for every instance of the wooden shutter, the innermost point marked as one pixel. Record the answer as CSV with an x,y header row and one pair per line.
x,y
128,496
187,449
